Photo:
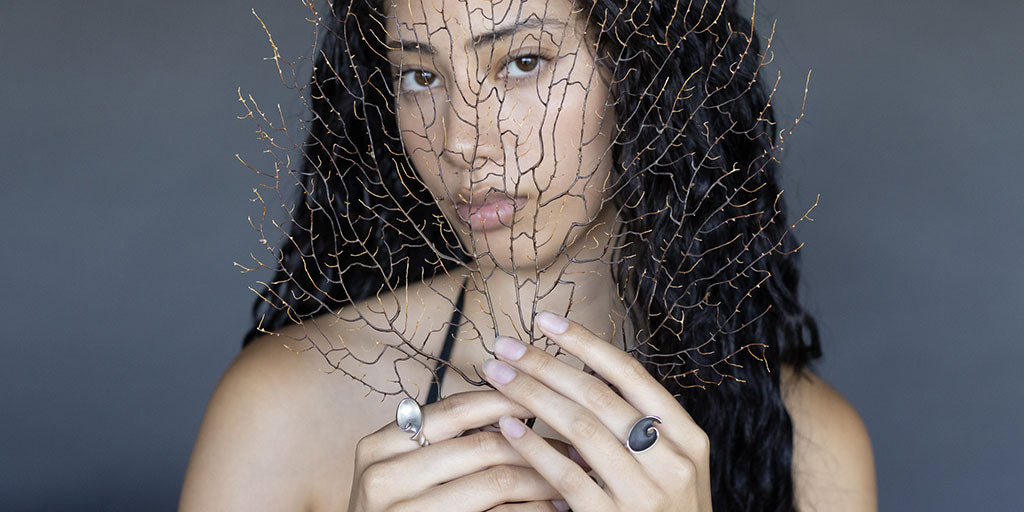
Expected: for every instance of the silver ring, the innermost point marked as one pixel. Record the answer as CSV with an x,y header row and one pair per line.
x,y
643,434
422,440
409,418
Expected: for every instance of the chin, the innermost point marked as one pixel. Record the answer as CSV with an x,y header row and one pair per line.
x,y
522,258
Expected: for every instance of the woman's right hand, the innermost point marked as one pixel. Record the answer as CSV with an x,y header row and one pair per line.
x,y
456,473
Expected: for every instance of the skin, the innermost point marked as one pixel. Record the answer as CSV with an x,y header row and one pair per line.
x,y
497,118
481,122
674,474
283,433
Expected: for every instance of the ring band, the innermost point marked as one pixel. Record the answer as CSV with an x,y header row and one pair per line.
x,y
643,434
422,438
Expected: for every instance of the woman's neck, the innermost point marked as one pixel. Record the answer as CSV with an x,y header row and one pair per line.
x,y
577,284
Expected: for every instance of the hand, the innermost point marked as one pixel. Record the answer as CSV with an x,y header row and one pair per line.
x,y
455,472
672,475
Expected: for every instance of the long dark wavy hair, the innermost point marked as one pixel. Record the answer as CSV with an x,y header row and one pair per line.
x,y
362,224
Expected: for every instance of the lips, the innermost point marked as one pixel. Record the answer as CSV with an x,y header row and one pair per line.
x,y
491,211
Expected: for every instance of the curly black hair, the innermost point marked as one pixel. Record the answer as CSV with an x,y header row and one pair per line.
x,y
705,228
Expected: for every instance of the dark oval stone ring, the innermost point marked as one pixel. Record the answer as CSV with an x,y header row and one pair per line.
x,y
643,434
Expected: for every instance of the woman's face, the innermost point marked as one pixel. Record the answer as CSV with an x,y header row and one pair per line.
x,y
507,120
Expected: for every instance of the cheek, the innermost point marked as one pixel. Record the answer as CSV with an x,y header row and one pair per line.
x,y
554,144
576,150
419,151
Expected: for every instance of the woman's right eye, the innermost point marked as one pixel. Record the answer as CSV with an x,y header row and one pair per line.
x,y
416,80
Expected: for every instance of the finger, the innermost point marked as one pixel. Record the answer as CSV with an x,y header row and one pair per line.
x,y
483,490
575,487
599,446
533,506
588,390
562,447
442,420
623,371
591,392
461,456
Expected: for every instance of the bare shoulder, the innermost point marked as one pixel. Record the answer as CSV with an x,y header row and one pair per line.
x,y
267,430
280,430
243,458
833,463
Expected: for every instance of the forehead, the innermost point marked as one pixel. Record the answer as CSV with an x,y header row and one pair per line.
x,y
462,21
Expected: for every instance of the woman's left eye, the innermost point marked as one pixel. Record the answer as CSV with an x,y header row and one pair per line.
x,y
526,64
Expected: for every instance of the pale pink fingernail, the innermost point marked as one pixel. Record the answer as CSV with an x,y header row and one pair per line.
x,y
561,505
511,426
498,371
509,348
552,322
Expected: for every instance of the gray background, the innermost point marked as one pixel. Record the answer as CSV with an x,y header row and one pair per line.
x,y
124,209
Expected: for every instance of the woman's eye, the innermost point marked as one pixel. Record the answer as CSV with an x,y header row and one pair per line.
x,y
525,63
417,80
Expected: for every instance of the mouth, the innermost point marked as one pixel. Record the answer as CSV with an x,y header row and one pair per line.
x,y
495,210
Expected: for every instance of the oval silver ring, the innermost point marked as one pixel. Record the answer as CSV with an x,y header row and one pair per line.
x,y
643,434
409,418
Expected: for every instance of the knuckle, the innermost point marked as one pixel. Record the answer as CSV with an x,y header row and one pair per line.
x,y
364,449
525,390
686,470
401,506
584,427
525,387
542,363
600,397
702,444
659,500
486,442
571,482
373,487
503,478
373,479
455,406
633,370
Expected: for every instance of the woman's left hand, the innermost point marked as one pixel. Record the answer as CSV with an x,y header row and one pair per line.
x,y
673,474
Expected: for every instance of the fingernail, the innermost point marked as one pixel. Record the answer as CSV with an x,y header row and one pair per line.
x,y
499,371
509,348
552,322
560,505
511,426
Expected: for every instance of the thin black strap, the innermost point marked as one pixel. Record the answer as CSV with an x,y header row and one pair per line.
x,y
446,351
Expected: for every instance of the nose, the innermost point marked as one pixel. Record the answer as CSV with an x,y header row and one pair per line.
x,y
471,131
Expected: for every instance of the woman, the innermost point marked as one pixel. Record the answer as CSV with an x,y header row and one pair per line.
x,y
474,163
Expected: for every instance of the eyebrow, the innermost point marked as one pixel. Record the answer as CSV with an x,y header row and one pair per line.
x,y
487,37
